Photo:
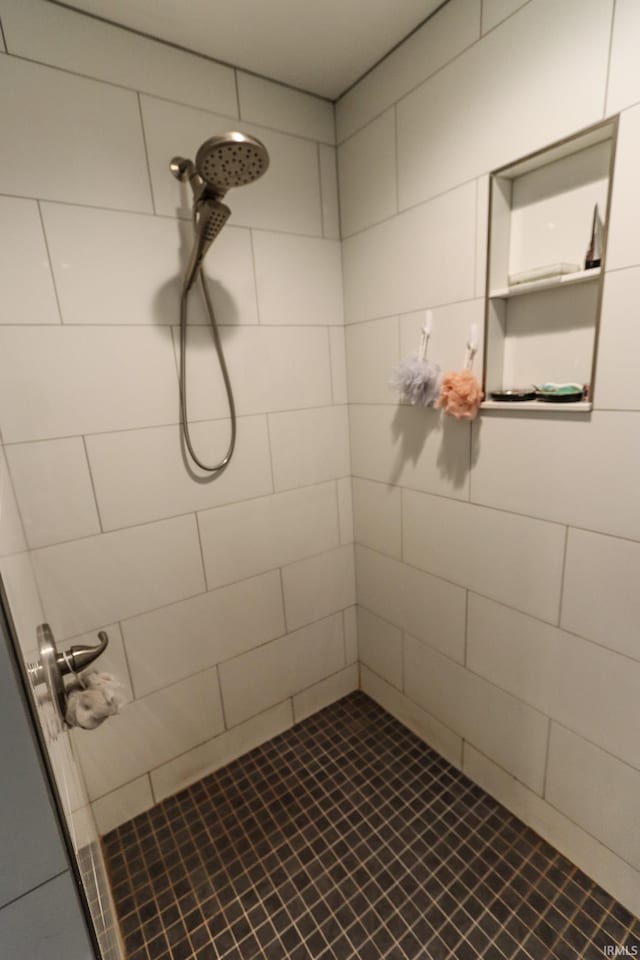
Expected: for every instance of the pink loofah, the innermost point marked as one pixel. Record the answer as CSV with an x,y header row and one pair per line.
x,y
460,395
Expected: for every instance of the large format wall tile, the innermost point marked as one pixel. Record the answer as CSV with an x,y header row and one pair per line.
x,y
442,37
501,726
377,513
495,11
54,490
325,692
271,368
425,606
309,446
140,475
122,804
56,123
372,351
28,294
184,638
120,268
601,599
450,331
299,279
380,647
279,106
243,539
586,457
571,39
318,586
149,732
257,680
286,198
509,558
12,539
422,257
62,381
98,580
410,446
560,674
596,791
329,192
49,33
617,384
623,241
367,175
623,88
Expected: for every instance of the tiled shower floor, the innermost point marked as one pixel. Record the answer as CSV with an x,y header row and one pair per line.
x,y
349,837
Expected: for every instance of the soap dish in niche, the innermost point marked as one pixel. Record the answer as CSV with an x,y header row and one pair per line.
x,y
514,394
560,392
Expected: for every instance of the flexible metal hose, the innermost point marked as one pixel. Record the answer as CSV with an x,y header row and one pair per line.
x,y
216,468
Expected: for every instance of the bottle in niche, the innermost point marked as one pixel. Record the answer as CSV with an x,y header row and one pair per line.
x,y
594,253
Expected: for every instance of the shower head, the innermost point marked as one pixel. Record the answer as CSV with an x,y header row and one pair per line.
x,y
231,160
210,216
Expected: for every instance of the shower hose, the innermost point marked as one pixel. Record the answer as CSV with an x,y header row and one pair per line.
x,y
215,468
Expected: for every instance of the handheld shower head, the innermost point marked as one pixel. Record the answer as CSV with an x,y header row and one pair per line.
x,y
231,160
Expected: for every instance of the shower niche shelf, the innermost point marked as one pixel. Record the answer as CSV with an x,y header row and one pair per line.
x,y
541,213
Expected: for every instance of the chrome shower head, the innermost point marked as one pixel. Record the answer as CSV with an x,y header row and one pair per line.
x,y
210,216
231,160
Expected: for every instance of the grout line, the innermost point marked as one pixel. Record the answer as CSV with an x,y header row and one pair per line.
x,y
126,659
322,224
562,574
546,760
331,364
466,628
204,567
146,152
255,277
337,493
3,39
222,706
237,90
609,58
267,418
51,271
151,788
409,313
93,489
284,606
396,156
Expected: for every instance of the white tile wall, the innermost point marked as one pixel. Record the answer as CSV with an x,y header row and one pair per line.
x,y
350,634
623,243
318,586
271,368
299,279
44,370
509,558
495,11
427,607
240,540
367,171
12,538
435,154
506,729
410,446
454,27
114,660
254,681
173,642
338,364
329,192
380,647
559,674
425,256
322,694
309,446
506,473
122,268
54,490
450,331
23,598
377,512
149,732
345,510
48,33
139,475
372,351
286,198
624,76
617,387
86,583
596,791
274,105
178,773
600,599
441,738
25,275
49,129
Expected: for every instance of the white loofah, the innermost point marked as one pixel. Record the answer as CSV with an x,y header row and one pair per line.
x,y
418,381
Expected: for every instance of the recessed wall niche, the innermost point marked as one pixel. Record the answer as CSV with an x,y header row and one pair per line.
x,y
541,212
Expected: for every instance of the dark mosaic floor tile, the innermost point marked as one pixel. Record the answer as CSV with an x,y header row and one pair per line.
x,y
348,838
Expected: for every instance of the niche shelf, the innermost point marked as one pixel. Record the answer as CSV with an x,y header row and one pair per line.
x,y
540,213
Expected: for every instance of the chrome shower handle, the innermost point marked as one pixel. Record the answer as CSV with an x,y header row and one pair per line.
x,y
53,666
